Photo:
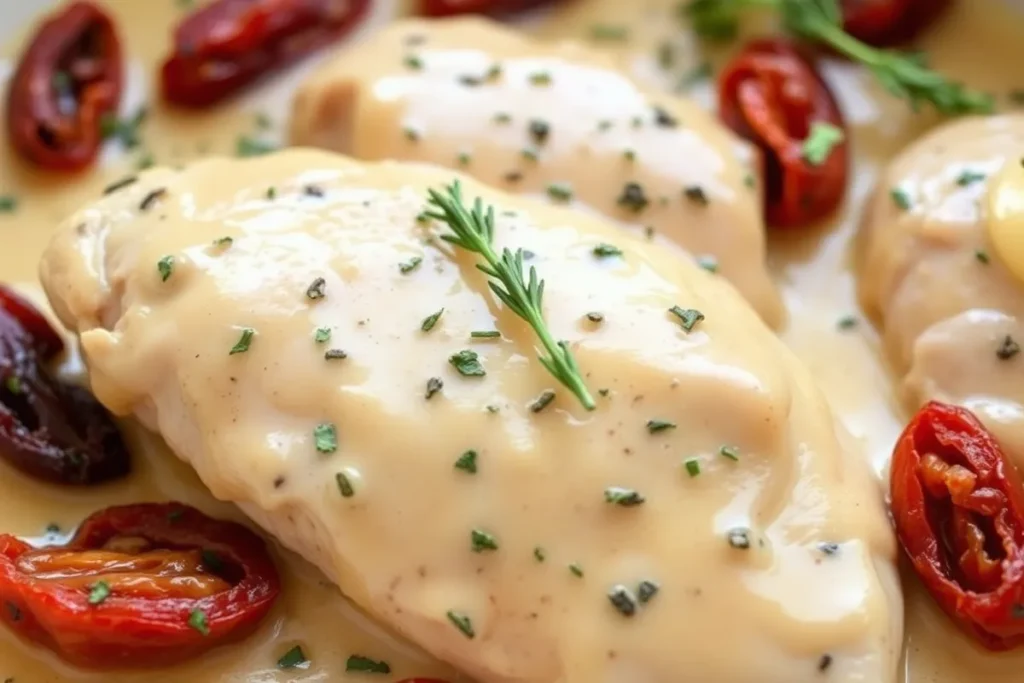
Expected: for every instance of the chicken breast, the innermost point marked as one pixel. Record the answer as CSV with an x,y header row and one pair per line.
x,y
294,328
949,308
544,118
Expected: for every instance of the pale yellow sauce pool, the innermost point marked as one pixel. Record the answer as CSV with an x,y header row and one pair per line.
x,y
978,42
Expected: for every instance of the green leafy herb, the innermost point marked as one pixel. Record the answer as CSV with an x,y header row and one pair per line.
x,y
242,345
428,323
821,140
316,290
165,267
617,495
413,62
99,592
366,665
623,600
246,146
223,242
462,622
474,232
647,590
292,659
633,197
730,452
577,569
692,467
197,620
688,317
708,263
604,250
1007,349
655,425
271,192
8,203
539,554
561,192
540,78
410,265
900,198
697,195
595,316
467,462
126,130
485,334
502,117
739,538
542,401
467,362
434,385
322,335
13,385
847,322
325,436
481,541
344,485
699,73
904,75
969,177
982,256
609,33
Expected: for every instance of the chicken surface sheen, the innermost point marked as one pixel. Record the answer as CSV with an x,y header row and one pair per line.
x,y
772,558
525,115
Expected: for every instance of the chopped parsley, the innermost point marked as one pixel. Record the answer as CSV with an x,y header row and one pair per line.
x,y
609,33
730,452
542,401
223,242
8,203
428,323
561,192
623,600
197,620
604,250
701,72
467,362
292,659
99,592
822,139
316,289
540,78
126,130
503,117
692,467
969,177
633,197
900,198
244,341
413,62
688,317
211,561
982,256
246,146
539,554
847,322
481,541
322,335
461,622
434,385
411,134
271,192
485,334
708,263
467,462
410,265
647,590
576,569
367,665
655,425
165,267
539,131
616,495
344,485
664,119
326,437
696,194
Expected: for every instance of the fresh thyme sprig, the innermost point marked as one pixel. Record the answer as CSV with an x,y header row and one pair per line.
x,y
905,75
474,232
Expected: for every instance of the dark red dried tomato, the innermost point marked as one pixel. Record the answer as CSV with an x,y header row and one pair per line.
x,y
890,22
48,429
67,81
448,8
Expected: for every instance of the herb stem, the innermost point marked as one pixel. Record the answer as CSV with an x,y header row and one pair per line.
x,y
474,232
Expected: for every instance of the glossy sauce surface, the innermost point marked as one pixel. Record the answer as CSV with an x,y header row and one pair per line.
x,y
812,268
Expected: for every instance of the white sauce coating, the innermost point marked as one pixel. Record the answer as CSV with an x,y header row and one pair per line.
x,y
779,611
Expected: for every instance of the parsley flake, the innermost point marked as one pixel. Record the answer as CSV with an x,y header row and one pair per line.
x,y
688,317
325,436
481,541
367,665
616,495
604,250
428,323
467,362
165,267
244,341
100,591
467,462
293,659
822,139
197,620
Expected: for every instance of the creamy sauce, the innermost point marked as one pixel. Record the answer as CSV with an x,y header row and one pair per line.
x,y
978,42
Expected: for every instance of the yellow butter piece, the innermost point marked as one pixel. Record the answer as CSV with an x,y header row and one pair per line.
x,y
1006,216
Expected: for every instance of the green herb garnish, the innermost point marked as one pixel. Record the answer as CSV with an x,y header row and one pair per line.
x,y
467,362
242,345
561,192
577,569
485,334
821,140
730,452
461,622
434,385
165,267
474,232
428,323
542,401
410,265
292,659
688,317
904,75
692,467
322,335
655,425
969,177
609,33
326,437
605,250
8,203
246,146
344,485
467,462
197,620
367,665
539,554
481,541
99,592
617,495
900,198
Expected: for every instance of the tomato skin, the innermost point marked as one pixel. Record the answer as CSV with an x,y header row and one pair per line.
x,y
771,95
450,8
222,47
137,631
68,79
948,473
884,23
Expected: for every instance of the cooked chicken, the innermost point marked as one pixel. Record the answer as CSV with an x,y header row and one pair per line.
x,y
531,117
743,542
949,308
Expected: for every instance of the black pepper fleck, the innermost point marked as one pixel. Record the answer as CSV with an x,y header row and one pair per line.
x,y
633,197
